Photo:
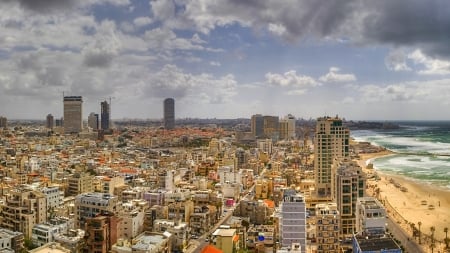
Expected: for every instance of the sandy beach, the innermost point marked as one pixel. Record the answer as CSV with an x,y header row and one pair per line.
x,y
415,202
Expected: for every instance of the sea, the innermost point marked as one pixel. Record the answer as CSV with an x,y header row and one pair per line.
x,y
422,150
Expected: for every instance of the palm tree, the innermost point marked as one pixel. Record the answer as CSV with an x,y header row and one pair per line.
x,y
446,238
432,229
419,223
412,227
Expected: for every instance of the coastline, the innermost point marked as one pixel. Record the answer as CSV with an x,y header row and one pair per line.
x,y
411,201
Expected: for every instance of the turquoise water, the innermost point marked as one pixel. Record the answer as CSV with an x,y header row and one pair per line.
x,y
422,150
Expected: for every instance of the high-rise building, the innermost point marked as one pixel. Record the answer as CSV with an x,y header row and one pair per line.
x,y
169,113
93,121
292,225
287,128
257,125
73,114
331,141
349,185
3,122
271,124
105,115
50,121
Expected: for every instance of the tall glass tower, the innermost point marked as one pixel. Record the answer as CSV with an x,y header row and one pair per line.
x,y
105,115
169,113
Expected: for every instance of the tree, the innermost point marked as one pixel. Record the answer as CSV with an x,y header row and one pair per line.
x,y
420,235
446,237
432,229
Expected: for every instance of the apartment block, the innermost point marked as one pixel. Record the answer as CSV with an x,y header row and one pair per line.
x,y
350,184
22,209
331,141
292,219
88,205
327,228
80,183
370,216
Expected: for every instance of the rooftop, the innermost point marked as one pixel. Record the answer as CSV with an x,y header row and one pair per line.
x,y
373,244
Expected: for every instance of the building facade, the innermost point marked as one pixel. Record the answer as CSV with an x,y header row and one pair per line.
x,y
105,115
50,121
331,141
327,228
169,113
88,205
292,224
257,125
73,114
93,121
350,184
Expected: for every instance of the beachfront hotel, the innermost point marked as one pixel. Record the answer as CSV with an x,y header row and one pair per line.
x,y
331,141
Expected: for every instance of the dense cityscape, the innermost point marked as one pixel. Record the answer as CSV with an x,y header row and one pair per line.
x,y
262,184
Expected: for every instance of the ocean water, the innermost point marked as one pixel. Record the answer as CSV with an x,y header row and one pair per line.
x,y
422,150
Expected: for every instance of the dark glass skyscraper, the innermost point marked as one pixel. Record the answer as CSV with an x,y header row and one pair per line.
x,y
169,113
105,115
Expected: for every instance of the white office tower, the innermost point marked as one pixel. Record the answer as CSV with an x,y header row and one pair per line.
x,y
370,217
293,220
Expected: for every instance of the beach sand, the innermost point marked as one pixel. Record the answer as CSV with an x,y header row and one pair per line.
x,y
414,204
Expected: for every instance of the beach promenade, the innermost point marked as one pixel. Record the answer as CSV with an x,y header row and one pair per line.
x,y
410,203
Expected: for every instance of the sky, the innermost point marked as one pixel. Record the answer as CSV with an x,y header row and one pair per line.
x,y
359,59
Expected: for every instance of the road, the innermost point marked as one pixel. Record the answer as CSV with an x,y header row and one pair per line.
x,y
410,245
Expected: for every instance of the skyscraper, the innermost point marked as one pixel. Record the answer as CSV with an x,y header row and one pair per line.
x,y
93,121
331,141
50,121
105,115
3,121
257,125
73,114
169,113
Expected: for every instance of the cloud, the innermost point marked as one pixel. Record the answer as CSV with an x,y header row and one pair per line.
x,y
214,63
53,6
396,61
104,48
334,77
171,81
142,21
431,66
291,79
411,23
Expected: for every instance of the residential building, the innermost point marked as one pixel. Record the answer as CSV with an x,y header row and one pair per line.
x,y
292,219
226,239
350,184
370,216
22,209
80,183
147,242
378,244
54,197
101,233
169,113
331,141
179,231
11,240
327,228
73,114
91,204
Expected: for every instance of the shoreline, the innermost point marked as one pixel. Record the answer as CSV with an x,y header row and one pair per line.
x,y
412,200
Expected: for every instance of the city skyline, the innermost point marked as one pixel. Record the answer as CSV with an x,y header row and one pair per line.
x,y
366,60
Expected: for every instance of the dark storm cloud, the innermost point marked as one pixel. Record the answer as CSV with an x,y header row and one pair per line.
x,y
410,23
44,5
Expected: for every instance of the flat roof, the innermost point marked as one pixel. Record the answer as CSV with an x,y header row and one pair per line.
x,y
374,244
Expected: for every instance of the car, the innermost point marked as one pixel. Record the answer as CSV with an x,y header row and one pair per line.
x,y
206,239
